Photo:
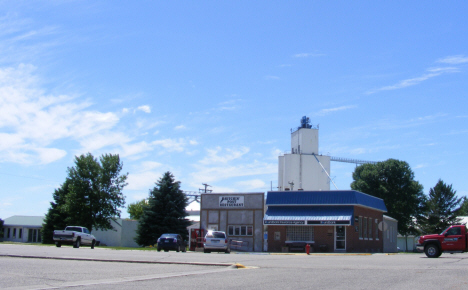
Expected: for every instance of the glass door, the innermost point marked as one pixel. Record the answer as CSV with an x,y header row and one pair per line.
x,y
340,238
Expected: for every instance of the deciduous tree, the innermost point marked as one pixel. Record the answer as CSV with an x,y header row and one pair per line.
x,y
393,181
91,195
135,210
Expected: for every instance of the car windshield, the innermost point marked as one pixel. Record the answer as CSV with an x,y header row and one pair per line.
x,y
74,229
218,235
165,236
444,231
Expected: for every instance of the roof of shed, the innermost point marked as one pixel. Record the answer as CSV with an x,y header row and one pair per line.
x,y
325,197
23,220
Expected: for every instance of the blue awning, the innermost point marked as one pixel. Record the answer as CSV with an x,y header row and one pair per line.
x,y
309,215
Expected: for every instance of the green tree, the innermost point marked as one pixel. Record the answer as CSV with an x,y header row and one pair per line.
x,y
136,209
95,191
442,209
463,209
55,217
90,196
165,212
393,181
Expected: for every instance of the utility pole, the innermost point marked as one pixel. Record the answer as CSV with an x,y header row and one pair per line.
x,y
206,190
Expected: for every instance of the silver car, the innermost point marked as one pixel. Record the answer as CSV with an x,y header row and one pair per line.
x,y
216,241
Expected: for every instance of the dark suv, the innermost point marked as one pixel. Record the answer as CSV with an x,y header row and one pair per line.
x,y
168,242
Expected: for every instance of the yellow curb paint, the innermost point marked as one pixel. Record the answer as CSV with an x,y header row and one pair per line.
x,y
240,266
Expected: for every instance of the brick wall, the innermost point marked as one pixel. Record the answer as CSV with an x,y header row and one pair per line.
x,y
325,235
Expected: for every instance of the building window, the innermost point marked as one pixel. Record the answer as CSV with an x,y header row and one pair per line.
x,y
14,233
301,233
360,227
240,230
376,229
365,228
8,233
370,228
20,233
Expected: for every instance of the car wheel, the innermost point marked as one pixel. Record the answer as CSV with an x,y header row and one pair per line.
x,y
76,244
432,251
166,250
206,251
178,249
227,251
159,249
184,249
58,245
93,243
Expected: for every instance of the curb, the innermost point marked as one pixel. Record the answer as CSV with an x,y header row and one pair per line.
x,y
238,266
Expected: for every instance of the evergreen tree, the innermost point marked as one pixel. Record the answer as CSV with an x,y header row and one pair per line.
x,y
442,209
393,181
165,212
463,209
55,217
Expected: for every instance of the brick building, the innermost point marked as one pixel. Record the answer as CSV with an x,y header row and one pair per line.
x,y
329,221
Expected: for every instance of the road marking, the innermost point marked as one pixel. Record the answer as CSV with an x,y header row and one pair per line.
x,y
122,279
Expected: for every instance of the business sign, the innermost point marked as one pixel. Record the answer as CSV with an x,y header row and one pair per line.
x,y
273,222
231,201
328,222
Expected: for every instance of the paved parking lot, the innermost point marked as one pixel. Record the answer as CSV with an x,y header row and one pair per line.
x,y
150,270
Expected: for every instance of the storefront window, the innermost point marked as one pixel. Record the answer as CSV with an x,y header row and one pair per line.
x,y
370,228
300,233
240,230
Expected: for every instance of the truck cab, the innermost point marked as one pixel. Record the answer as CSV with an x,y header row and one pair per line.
x,y
452,240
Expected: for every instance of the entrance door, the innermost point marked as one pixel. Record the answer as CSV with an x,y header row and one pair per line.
x,y
340,238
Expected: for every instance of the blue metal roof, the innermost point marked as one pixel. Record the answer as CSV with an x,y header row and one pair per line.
x,y
309,213
328,197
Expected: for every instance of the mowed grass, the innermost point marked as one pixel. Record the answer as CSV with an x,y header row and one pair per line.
x,y
100,247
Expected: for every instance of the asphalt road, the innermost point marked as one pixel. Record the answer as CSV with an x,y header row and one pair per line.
x,y
39,267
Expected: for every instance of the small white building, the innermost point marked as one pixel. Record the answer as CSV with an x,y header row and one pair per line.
x,y
122,235
25,229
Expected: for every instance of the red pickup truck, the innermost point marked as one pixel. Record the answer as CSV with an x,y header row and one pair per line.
x,y
452,240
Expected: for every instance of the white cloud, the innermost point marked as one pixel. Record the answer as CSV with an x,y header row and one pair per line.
x,y
308,54
217,173
142,180
252,184
180,127
145,108
49,155
324,112
271,78
421,165
454,59
227,156
431,73
172,144
32,122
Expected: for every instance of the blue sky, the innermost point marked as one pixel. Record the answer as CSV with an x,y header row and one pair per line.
x,y
209,90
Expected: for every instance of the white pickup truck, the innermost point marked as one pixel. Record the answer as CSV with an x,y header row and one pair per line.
x,y
76,236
